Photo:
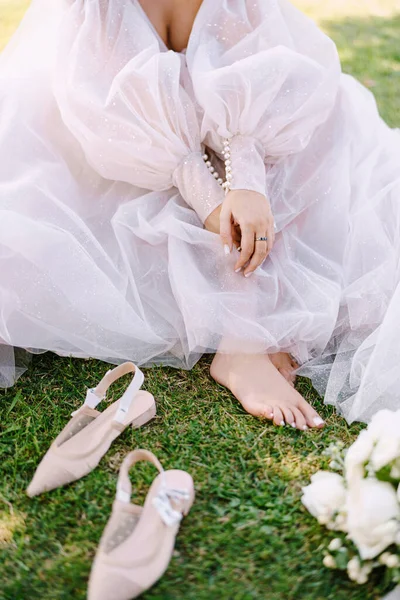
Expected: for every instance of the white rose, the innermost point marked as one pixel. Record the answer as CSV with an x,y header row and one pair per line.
x,y
382,421
358,455
385,432
373,513
379,445
325,496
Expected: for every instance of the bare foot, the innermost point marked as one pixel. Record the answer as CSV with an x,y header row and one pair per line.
x,y
262,390
285,365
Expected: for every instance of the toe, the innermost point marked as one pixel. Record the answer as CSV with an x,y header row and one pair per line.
x,y
300,419
288,375
289,417
259,409
278,417
311,416
267,412
294,364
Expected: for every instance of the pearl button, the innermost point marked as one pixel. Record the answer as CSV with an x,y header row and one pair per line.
x,y
226,153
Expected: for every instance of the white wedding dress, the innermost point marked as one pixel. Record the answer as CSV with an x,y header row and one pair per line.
x,y
104,191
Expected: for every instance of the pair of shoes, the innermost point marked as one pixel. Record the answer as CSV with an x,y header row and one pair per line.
x,y
138,542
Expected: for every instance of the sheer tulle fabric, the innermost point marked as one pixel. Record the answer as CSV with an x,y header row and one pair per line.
x,y
103,191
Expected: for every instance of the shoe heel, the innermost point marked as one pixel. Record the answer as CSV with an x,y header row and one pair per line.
x,y
145,417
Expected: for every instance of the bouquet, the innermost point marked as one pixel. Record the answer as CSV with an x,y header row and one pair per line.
x,y
360,502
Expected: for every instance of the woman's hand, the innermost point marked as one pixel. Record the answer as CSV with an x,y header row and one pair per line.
x,y
212,223
251,213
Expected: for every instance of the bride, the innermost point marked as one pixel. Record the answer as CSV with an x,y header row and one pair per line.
x,y
184,177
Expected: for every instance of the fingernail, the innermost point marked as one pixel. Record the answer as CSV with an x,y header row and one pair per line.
x,y
293,425
227,250
248,274
318,421
282,423
238,270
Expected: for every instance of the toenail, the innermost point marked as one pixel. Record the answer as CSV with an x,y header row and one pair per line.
x,y
271,416
318,421
282,423
305,428
293,425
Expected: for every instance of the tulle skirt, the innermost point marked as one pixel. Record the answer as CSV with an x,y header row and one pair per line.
x,y
98,268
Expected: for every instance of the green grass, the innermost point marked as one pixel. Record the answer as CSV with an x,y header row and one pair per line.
x,y
248,536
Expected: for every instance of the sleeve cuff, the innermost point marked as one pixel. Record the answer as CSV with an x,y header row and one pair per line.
x,y
198,187
246,161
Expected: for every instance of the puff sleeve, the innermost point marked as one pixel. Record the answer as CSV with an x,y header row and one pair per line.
x,y
266,78
125,101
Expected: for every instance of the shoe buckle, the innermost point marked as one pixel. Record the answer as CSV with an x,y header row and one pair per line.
x,y
163,503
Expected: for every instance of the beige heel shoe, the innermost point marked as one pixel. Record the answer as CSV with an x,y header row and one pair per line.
x,y
78,449
137,544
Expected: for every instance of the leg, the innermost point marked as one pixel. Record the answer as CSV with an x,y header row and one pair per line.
x,y
262,390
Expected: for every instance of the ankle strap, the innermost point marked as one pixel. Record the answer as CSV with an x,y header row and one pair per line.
x,y
170,503
95,395
124,486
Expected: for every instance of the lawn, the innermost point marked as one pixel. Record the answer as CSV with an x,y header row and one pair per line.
x,y
247,537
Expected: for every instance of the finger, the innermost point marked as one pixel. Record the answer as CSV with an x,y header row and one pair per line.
x,y
260,254
247,248
226,229
236,236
